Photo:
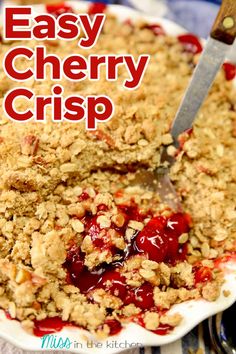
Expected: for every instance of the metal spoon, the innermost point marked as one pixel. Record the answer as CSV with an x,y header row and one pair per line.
x,y
221,38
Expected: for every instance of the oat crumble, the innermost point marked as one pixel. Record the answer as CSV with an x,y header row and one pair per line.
x,y
59,182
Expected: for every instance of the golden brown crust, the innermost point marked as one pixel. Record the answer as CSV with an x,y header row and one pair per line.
x,y
45,168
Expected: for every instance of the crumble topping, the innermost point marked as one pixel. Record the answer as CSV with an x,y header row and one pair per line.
x,y
75,231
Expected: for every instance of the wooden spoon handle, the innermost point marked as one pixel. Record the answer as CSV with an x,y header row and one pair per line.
x,y
224,28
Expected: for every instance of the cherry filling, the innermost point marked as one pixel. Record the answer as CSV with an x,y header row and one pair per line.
x,y
93,229
231,257
83,196
156,29
152,240
202,274
58,9
55,324
97,8
114,325
158,240
230,71
142,296
75,262
103,276
190,43
48,326
113,282
101,236
132,212
178,224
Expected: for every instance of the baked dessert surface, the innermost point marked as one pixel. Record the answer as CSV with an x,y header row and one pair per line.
x,y
59,182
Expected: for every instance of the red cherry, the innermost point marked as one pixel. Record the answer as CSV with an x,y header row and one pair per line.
x,y
184,137
182,252
130,297
102,207
113,282
173,246
58,9
47,326
143,296
156,29
131,212
88,280
230,71
190,43
74,262
76,266
114,325
97,8
83,196
202,275
152,239
156,223
8,316
93,229
178,224
100,236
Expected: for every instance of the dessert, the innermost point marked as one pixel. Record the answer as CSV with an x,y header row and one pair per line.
x,y
80,243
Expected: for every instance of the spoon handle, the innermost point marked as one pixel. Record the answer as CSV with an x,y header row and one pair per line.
x,y
224,28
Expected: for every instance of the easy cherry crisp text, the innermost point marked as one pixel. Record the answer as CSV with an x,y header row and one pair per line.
x,y
21,24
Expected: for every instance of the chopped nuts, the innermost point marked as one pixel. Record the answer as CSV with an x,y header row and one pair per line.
x,y
22,276
29,145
